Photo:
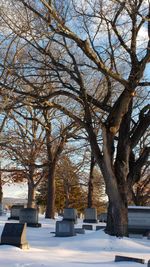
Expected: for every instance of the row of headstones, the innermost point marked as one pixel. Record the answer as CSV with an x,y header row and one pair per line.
x,y
136,223
25,215
66,227
30,215
90,215
15,233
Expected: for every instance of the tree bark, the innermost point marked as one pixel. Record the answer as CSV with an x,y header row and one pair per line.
x,y
117,219
31,196
1,190
117,223
90,183
50,205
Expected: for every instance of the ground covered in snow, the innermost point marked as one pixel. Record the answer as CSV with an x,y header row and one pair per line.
x,y
94,248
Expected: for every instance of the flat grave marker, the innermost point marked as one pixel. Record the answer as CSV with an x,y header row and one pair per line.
x,y
119,258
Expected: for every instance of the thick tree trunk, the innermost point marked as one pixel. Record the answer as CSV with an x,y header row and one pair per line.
x,y
117,219
50,205
31,196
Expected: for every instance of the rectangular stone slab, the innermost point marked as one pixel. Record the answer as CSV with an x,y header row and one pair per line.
x,y
64,229
124,258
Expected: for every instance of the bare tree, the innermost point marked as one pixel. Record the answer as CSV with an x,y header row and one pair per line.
x,y
98,60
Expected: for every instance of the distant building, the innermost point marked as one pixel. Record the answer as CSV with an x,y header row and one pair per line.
x,y
8,202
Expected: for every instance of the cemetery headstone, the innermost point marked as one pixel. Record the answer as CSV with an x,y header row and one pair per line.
x,y
15,212
138,220
90,215
14,234
124,258
148,264
30,217
70,214
64,229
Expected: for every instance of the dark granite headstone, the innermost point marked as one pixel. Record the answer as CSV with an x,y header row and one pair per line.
x,y
148,264
15,212
124,258
70,214
138,220
90,215
65,229
30,217
14,234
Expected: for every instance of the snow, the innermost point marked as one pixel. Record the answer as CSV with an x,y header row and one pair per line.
x,y
94,248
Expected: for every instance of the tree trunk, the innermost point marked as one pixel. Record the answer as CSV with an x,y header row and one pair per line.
x,y
117,219
31,196
90,183
117,223
66,190
117,213
1,195
1,191
50,205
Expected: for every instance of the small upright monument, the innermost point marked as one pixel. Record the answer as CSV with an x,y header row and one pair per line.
x,y
90,215
65,229
30,217
15,212
70,214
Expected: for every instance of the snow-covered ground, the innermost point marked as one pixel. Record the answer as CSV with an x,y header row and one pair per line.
x,y
94,248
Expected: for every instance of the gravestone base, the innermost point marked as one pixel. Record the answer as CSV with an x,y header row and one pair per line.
x,y
14,234
34,225
90,221
15,212
16,218
140,230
